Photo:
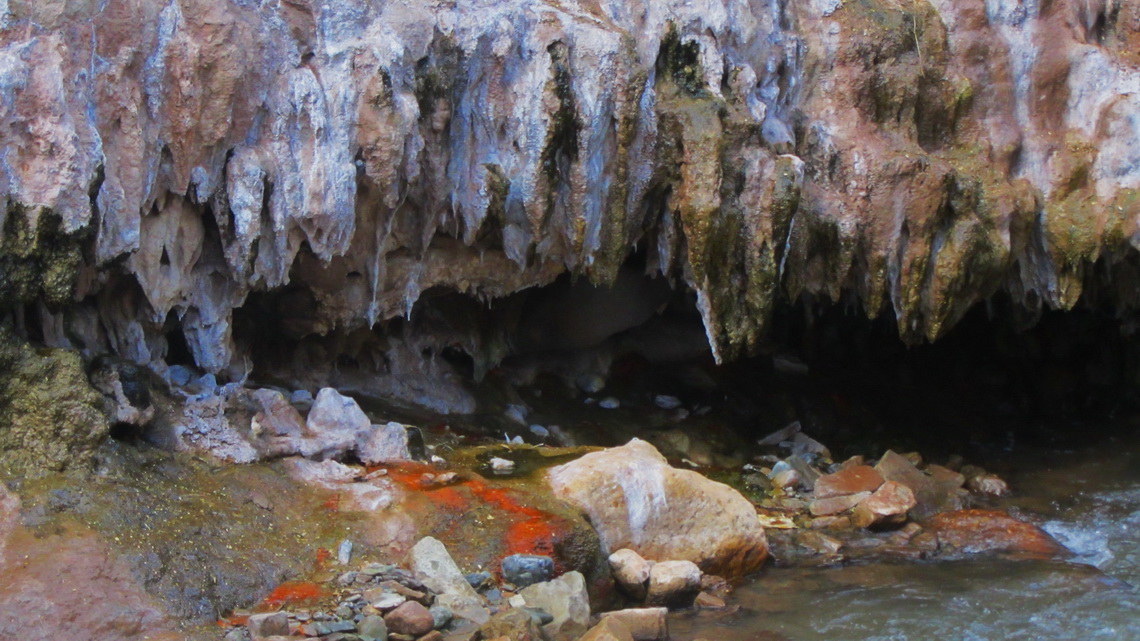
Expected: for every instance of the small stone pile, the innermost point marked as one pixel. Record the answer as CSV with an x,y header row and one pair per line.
x,y
431,600
674,584
857,494
897,506
374,603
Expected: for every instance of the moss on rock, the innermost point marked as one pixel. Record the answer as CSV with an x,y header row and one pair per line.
x,y
38,259
50,416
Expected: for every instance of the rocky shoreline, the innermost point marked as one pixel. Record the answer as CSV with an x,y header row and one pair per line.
x,y
673,539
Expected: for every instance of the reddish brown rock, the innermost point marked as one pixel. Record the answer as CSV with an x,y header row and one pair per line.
x,y
410,618
836,504
848,480
945,477
890,502
898,468
974,531
891,498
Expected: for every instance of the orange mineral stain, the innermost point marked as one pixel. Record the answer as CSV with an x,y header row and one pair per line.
x,y
293,592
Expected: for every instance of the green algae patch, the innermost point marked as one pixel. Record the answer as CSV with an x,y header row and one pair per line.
x,y
38,258
50,416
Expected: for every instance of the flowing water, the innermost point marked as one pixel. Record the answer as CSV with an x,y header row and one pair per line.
x,y
1088,498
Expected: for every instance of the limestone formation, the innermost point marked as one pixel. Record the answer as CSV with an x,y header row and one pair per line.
x,y
280,186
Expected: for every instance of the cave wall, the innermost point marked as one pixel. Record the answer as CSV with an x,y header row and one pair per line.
x,y
162,161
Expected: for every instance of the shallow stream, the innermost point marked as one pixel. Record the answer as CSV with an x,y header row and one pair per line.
x,y
1089,497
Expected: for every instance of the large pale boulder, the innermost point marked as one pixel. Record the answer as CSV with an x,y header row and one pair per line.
x,y
636,500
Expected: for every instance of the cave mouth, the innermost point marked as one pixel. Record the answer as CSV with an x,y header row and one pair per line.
x,y
998,378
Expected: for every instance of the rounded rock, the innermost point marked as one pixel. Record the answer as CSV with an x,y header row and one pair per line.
x,y
410,618
674,584
631,572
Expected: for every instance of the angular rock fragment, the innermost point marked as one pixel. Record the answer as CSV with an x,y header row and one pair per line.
x,y
566,600
836,504
386,443
849,480
891,499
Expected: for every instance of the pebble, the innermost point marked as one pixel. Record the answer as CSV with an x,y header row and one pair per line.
x,y
372,627
666,402
440,615
479,580
301,396
850,480
344,552
388,601
539,432
267,625
785,478
609,403
502,465
410,618
987,484
527,569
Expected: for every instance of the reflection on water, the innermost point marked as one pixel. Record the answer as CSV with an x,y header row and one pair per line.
x,y
1091,499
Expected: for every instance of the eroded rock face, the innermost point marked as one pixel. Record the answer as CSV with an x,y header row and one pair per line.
x,y
168,163
635,500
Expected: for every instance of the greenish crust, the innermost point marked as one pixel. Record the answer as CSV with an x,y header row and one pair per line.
x,y
436,75
680,62
51,416
38,259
